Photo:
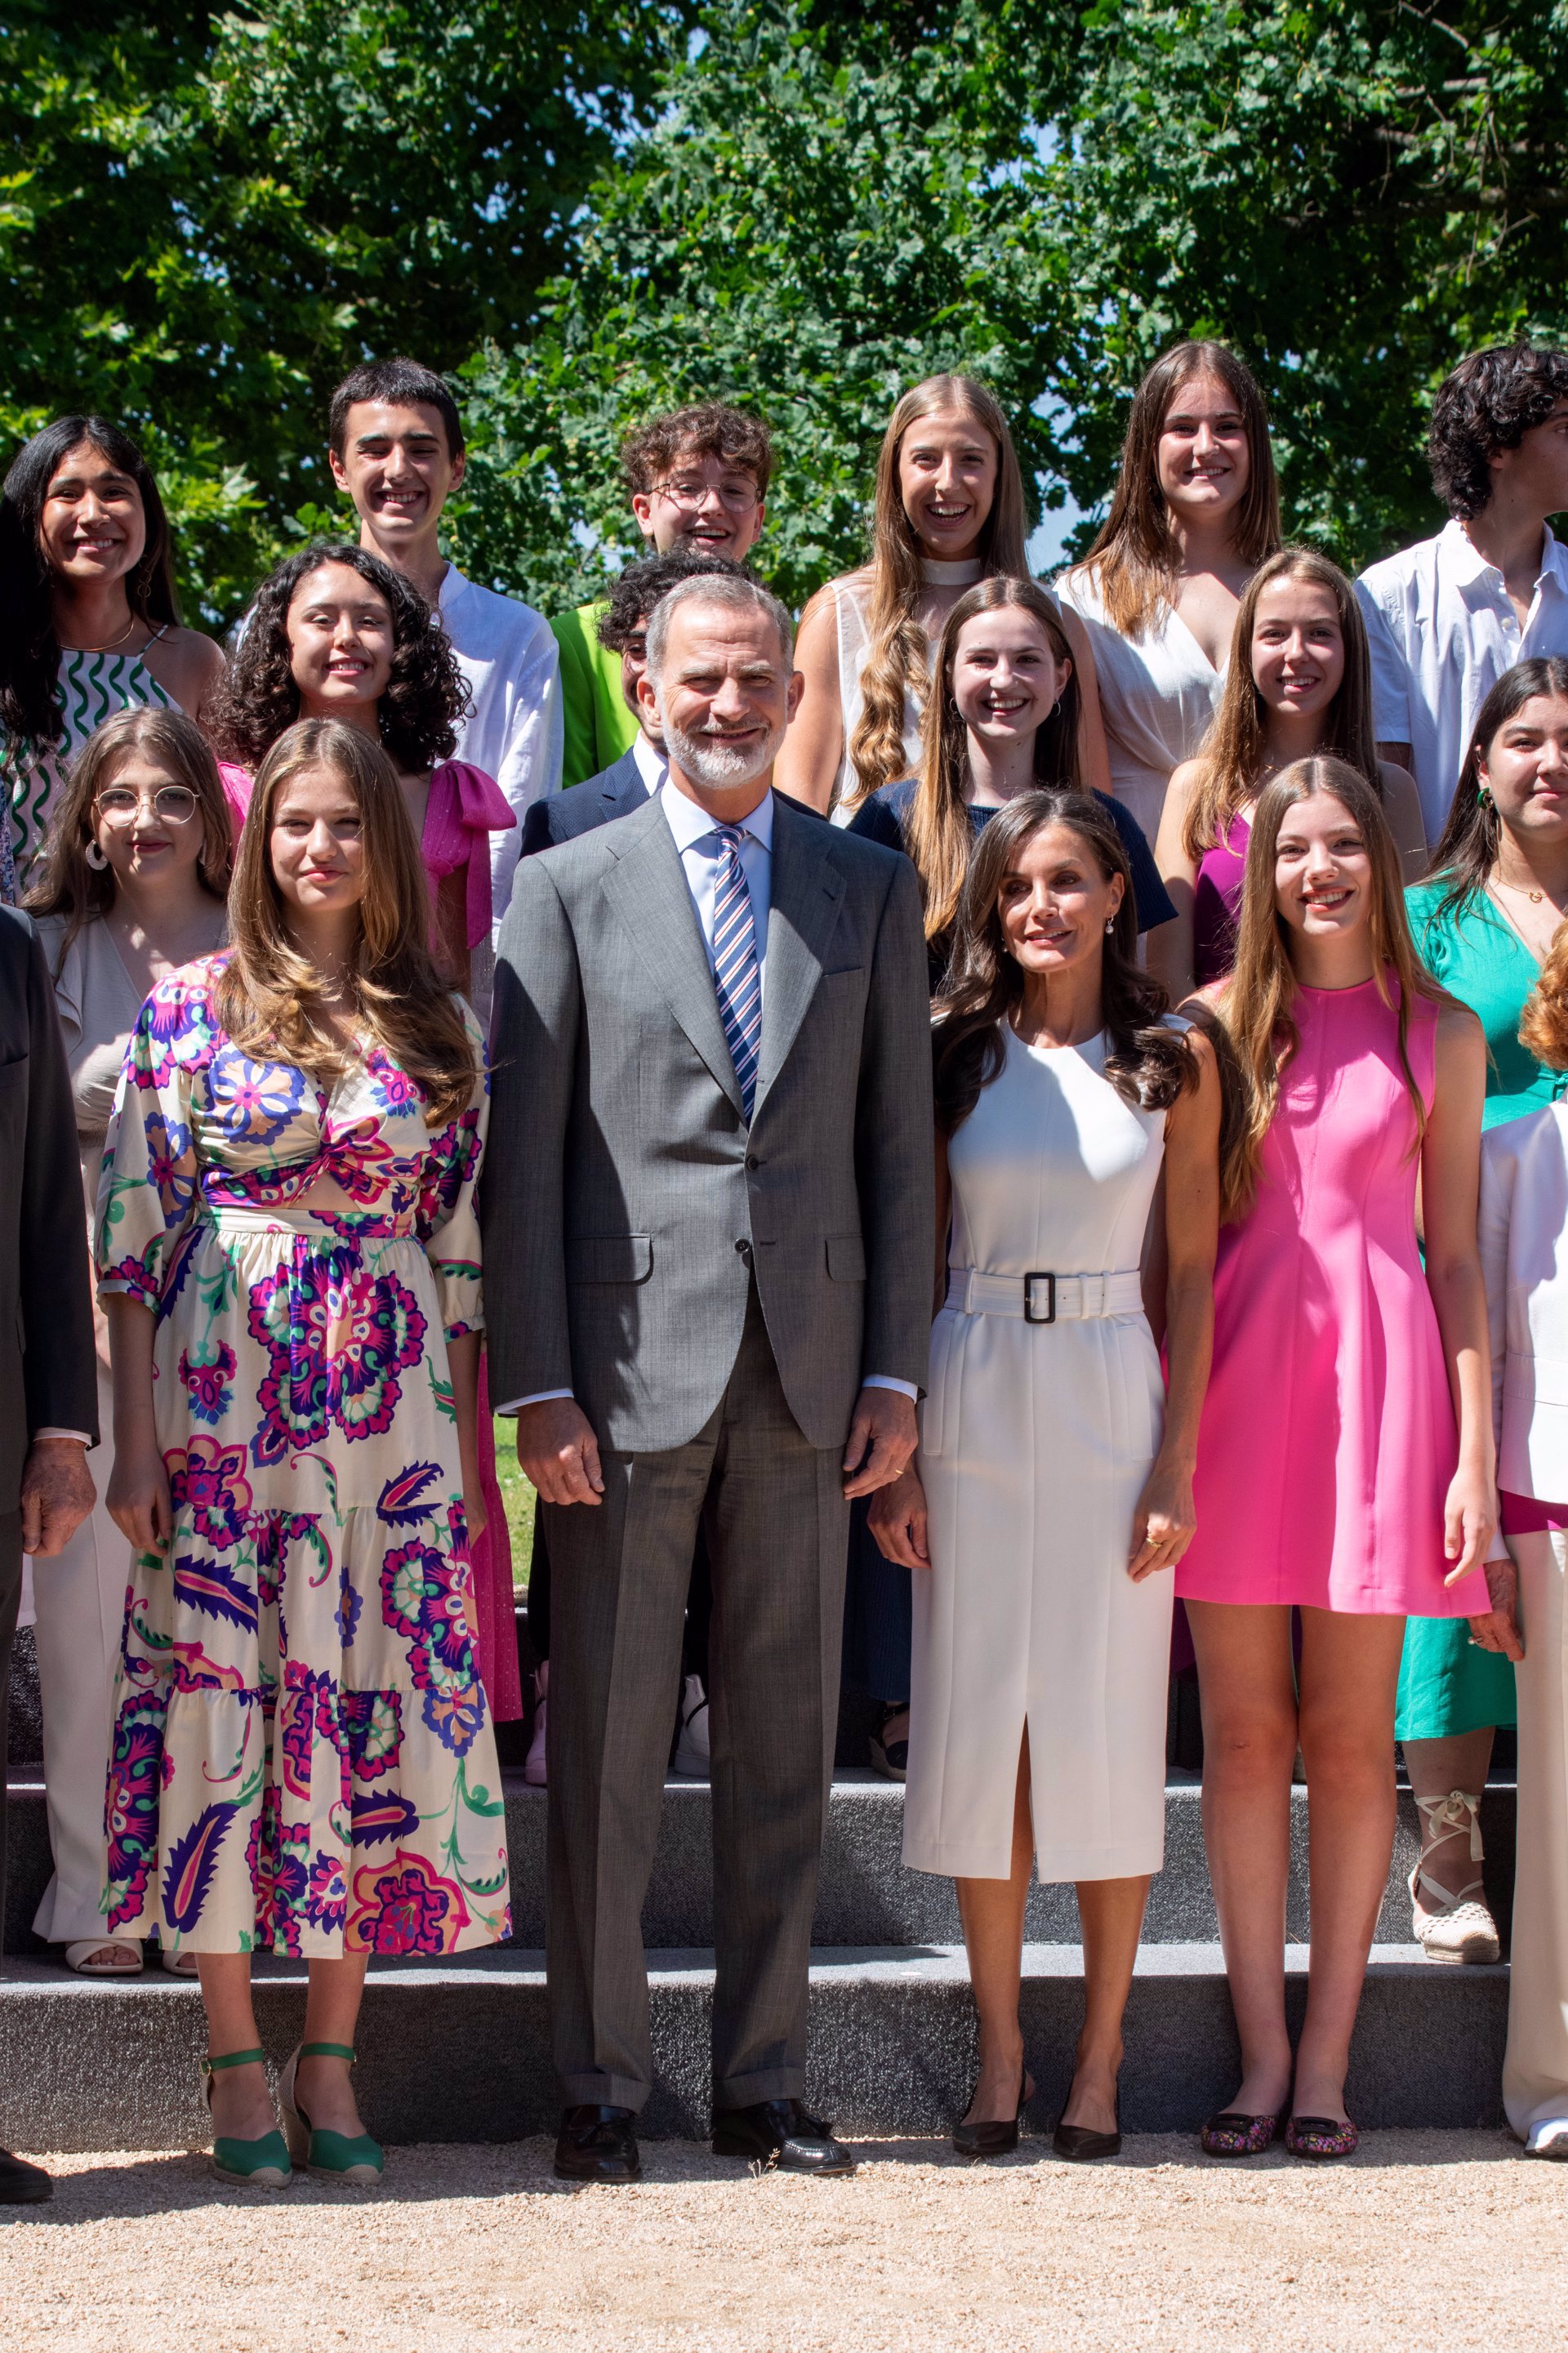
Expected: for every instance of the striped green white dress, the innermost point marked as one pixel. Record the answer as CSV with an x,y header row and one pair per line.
x,y
93,686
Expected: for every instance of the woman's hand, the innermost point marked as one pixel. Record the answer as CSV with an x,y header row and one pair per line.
x,y
1165,1521
898,1520
1469,1521
138,1497
1497,1629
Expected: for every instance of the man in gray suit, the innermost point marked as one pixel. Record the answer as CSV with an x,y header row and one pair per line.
x,y
708,1216
49,1384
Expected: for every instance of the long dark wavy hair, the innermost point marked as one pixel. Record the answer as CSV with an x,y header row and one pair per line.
x,y
32,709
425,695
1467,851
1148,1065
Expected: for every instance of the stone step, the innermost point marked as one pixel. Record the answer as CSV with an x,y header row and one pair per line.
x,y
460,2050
865,1897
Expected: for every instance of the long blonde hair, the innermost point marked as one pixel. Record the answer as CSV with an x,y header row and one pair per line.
x,y
270,998
896,650
1135,556
939,835
1232,751
1256,1004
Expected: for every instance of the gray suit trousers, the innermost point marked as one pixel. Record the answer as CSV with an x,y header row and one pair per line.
x,y
10,1598
776,1523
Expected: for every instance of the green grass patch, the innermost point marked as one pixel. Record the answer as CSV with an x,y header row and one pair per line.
x,y
519,1495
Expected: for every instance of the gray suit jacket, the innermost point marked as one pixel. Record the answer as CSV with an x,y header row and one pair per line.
x,y
47,1369
623,1196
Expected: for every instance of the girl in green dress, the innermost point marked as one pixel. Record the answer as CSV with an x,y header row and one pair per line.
x,y
1483,922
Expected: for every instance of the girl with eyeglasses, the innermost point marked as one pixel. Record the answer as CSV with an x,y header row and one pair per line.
x,y
131,885
89,619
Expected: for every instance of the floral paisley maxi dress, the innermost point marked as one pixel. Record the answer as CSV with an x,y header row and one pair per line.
x,y
303,1758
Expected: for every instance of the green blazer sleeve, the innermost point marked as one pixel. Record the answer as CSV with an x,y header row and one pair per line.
x,y
596,726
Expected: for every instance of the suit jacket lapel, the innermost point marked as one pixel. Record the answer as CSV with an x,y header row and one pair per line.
x,y
648,887
806,895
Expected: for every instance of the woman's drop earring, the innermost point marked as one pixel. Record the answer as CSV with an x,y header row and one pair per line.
x,y
95,858
1110,924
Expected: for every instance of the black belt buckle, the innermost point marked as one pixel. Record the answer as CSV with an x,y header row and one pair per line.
x,y
1050,1314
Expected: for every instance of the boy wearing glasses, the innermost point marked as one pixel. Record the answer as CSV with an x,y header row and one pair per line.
x,y
698,480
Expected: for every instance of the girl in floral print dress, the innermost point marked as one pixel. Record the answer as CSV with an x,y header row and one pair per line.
x,y
303,1756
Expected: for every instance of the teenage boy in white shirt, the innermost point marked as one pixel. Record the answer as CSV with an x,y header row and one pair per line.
x,y
396,442
1446,618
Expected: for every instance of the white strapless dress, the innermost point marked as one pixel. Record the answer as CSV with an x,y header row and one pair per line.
x,y
1037,1440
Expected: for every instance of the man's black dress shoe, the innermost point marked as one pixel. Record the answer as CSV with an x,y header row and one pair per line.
x,y
22,2184
781,2135
598,2144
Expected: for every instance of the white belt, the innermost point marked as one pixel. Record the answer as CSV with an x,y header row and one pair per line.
x,y
1041,1298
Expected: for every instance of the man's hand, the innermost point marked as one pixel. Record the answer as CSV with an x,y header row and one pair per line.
x,y
58,1493
883,1439
558,1450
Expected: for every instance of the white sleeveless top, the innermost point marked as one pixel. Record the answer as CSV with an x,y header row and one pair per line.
x,y
1158,694
852,603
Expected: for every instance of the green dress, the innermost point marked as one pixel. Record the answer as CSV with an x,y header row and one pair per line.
x,y
596,726
1446,1686
94,686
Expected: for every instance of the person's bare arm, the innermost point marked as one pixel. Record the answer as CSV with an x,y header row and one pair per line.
x,y
1450,1187
807,764
1166,1519
1402,805
138,1496
463,1360
1170,945
1093,757
897,1518
189,665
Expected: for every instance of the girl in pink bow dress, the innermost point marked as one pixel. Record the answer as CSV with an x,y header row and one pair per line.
x,y
1345,1458
335,633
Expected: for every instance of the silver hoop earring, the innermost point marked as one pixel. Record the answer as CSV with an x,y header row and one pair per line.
x,y
95,858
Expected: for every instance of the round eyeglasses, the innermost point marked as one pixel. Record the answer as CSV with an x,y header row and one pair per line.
x,y
171,804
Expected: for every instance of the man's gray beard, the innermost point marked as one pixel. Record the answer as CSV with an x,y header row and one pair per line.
x,y
710,762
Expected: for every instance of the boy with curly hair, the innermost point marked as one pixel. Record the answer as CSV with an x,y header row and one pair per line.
x,y
698,482
1447,617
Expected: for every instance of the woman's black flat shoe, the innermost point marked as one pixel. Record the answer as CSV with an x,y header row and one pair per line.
x,y
992,2139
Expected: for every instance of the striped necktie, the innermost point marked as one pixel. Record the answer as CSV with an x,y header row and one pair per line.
x,y
737,975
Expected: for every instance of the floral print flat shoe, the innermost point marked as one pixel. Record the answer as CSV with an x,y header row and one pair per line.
x,y
1321,2136
1232,2134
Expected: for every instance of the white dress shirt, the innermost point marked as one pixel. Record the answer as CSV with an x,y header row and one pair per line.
x,y
652,766
510,658
1442,631
701,852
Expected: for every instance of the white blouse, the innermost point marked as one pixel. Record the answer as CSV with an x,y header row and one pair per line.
x,y
1159,692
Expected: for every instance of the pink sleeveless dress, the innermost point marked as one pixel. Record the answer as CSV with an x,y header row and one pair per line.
x,y
1328,1439
1216,903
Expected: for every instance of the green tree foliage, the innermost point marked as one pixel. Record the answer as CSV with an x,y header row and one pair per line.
x,y
204,217
1354,195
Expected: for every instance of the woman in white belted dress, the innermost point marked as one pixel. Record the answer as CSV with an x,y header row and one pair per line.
x,y
1054,1487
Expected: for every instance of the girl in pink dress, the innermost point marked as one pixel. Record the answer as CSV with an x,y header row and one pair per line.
x,y
1344,1464
335,633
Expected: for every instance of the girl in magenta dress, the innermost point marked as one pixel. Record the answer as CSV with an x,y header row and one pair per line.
x,y
335,633
1344,1465
1298,683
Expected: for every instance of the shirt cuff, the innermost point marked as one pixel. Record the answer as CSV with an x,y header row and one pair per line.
x,y
885,1381
80,1435
515,1405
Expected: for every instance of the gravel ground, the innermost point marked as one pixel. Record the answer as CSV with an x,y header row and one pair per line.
x,y
1440,2241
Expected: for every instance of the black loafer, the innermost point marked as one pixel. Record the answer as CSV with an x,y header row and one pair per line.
x,y
22,2184
598,2144
780,2135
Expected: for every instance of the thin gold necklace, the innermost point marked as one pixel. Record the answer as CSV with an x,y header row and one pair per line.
x,y
109,648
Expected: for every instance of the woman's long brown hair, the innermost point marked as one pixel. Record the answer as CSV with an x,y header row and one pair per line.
x,y
270,996
65,884
895,650
1232,751
1135,556
939,835
1258,1000
1148,1065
